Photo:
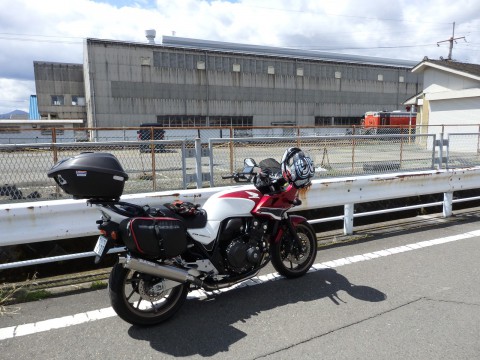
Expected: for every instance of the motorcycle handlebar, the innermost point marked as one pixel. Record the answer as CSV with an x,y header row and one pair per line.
x,y
238,177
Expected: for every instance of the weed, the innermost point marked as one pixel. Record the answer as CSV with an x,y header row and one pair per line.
x,y
96,285
8,294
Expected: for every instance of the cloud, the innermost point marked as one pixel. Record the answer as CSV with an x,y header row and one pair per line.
x,y
53,30
13,94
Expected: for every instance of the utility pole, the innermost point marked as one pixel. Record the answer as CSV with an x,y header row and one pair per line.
x,y
451,40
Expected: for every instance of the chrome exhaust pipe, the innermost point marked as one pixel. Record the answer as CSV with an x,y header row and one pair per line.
x,y
175,274
162,271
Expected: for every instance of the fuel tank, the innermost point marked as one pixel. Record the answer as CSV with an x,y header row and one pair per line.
x,y
231,203
222,205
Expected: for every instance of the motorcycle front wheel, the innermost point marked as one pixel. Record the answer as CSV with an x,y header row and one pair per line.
x,y
142,299
290,259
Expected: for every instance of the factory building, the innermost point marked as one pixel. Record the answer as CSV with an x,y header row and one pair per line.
x,y
60,91
186,82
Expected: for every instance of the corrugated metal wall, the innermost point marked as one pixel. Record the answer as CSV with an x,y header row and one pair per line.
x,y
135,83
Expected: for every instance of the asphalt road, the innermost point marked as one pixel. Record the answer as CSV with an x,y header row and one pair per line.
x,y
409,290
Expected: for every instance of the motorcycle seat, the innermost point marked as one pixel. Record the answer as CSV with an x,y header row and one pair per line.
x,y
192,220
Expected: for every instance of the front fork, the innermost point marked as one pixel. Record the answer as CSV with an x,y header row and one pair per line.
x,y
288,223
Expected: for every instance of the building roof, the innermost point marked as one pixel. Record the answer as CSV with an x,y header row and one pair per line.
x,y
459,68
235,48
283,52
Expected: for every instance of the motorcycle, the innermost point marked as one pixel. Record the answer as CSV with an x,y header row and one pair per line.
x,y
179,247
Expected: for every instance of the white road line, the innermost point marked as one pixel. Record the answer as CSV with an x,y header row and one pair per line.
x,y
66,321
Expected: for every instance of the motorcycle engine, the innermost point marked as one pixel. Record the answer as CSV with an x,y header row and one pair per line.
x,y
244,252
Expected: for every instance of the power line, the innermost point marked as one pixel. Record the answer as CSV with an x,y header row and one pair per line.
x,y
41,40
37,35
347,16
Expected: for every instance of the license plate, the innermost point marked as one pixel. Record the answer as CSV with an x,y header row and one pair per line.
x,y
100,246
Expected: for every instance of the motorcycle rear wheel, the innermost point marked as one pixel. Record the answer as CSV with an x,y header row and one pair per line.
x,y
135,300
290,260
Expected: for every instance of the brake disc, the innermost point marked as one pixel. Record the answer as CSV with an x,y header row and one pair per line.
x,y
298,255
151,291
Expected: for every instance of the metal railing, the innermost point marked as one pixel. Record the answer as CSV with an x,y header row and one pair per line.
x,y
196,158
62,219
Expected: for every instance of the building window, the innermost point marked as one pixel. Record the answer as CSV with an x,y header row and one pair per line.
x,y
78,100
380,77
336,120
47,130
166,121
9,129
231,121
58,100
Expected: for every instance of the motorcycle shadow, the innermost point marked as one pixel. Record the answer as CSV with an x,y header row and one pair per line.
x,y
206,326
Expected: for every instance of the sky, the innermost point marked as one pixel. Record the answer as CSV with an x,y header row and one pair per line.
x,y
54,30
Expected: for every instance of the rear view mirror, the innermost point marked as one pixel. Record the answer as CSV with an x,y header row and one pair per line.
x,y
249,164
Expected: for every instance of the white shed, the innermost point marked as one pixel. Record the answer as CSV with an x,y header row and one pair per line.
x,y
451,97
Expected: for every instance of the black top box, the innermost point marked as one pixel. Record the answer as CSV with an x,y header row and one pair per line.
x,y
90,176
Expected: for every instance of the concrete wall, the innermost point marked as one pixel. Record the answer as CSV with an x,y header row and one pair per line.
x,y
59,79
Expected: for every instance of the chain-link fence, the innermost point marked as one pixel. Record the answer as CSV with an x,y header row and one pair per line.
x,y
333,156
23,169
463,150
172,160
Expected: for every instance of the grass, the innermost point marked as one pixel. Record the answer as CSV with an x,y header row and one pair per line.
x,y
19,293
97,285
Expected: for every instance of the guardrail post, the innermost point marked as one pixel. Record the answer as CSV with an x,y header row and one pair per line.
x,y
348,219
198,162
447,204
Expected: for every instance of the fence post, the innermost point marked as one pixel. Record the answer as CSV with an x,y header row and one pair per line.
x,y
184,164
447,204
348,219
198,162
154,170
353,154
401,149
54,141
231,149
210,161
440,150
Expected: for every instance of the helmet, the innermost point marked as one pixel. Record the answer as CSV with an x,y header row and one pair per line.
x,y
297,168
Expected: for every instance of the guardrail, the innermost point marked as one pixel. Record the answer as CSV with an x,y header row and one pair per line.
x,y
63,219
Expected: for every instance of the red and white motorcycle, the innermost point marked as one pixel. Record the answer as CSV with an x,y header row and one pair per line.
x,y
178,247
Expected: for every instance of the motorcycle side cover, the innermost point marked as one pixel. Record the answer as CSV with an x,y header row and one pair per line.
x,y
154,238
